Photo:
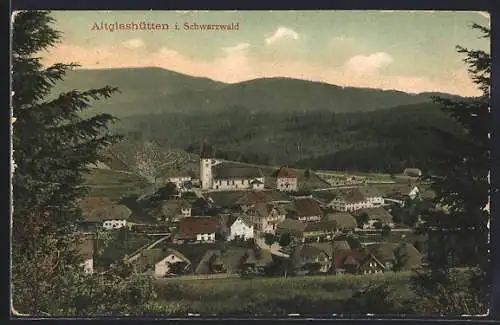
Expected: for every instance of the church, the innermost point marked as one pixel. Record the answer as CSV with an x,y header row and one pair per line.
x,y
225,176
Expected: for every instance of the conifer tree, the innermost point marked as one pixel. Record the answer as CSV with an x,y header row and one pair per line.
x,y
457,228
53,145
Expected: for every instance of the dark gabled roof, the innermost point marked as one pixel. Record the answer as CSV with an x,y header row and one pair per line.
x,y
327,247
154,255
285,172
308,207
344,220
245,219
349,257
226,199
278,196
325,225
383,251
304,252
294,227
111,212
191,226
370,191
229,171
409,256
378,213
340,245
253,197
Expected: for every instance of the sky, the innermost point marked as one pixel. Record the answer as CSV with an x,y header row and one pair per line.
x,y
402,50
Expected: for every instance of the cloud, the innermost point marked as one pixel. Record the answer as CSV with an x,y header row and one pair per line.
x,y
234,65
370,63
236,48
133,43
282,32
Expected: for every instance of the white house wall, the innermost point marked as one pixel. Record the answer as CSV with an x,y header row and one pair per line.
x,y
240,229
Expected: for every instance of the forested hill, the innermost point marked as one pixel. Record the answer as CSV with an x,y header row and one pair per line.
x,y
383,140
155,90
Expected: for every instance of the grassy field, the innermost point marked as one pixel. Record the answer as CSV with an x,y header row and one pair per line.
x,y
270,296
114,184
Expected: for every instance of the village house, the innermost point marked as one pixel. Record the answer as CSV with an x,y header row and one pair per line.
x,y
178,177
197,229
286,180
357,261
256,261
173,210
320,230
162,262
412,172
223,176
101,212
384,252
240,227
309,259
349,199
375,215
87,253
266,216
372,196
307,210
344,221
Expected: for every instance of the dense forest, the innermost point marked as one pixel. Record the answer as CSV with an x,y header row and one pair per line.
x,y
385,140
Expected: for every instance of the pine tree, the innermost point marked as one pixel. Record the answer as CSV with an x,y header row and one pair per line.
x,y
53,146
457,228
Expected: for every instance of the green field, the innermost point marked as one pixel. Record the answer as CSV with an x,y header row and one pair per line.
x,y
271,296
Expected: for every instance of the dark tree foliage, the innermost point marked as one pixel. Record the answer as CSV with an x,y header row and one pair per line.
x,y
457,229
53,145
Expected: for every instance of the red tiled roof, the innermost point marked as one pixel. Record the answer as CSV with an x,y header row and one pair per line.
x,y
348,257
308,207
284,172
190,227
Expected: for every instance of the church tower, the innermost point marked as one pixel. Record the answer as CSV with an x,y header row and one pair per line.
x,y
206,155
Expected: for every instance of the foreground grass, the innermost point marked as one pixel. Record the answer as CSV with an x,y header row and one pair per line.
x,y
271,296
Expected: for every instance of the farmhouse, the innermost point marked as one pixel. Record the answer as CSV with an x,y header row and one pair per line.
x,y
308,209
320,230
355,261
384,252
240,227
345,222
350,199
100,211
286,179
412,172
87,253
222,176
372,195
378,214
173,210
197,229
266,216
309,259
162,262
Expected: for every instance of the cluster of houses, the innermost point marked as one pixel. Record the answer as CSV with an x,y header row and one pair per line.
x,y
246,210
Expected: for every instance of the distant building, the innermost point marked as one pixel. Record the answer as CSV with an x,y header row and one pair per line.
x,y
266,216
240,227
102,212
286,180
197,229
178,177
163,262
307,209
172,210
221,176
351,199
412,172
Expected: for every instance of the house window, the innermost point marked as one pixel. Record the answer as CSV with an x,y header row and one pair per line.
x,y
233,182
227,182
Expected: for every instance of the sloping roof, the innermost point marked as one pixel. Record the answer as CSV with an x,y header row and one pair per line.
x,y
327,247
253,197
154,255
349,257
412,171
370,191
383,251
175,173
308,207
291,226
278,196
245,219
344,220
324,196
225,199
340,245
264,209
284,172
378,213
109,212
228,171
305,252
86,248
350,195
191,226
324,225
409,256
174,206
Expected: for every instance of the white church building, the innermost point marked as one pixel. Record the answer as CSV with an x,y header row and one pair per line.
x,y
224,176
